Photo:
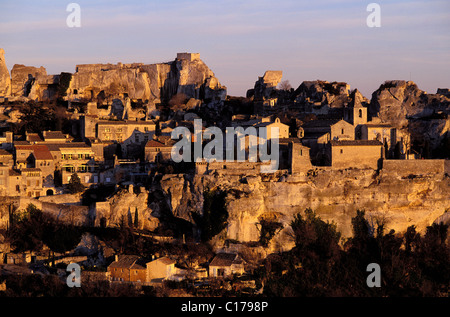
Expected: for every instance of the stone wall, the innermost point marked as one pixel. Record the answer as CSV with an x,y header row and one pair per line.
x,y
357,156
405,168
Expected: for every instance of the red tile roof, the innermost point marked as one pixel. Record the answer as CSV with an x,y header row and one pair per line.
x,y
41,152
154,143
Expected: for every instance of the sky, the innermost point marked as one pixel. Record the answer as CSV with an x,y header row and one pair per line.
x,y
240,39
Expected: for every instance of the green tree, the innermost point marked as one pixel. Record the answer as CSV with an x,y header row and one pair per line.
x,y
136,218
215,215
75,185
312,234
27,229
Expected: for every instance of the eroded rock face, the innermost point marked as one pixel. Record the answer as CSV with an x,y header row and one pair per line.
x,y
5,79
127,208
265,87
23,78
335,196
403,105
149,83
396,100
334,94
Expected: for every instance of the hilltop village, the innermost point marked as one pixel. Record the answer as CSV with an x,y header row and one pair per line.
x,y
93,149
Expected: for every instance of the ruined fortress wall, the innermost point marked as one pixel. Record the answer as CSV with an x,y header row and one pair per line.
x,y
405,168
189,56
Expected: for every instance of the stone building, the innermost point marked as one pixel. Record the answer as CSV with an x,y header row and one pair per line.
x,y
300,158
156,151
6,158
131,135
355,154
127,268
225,265
396,142
159,269
283,129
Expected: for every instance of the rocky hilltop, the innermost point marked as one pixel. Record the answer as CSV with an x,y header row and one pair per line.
x,y
147,83
405,106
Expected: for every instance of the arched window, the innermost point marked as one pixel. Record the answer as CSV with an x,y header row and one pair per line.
x,y
360,113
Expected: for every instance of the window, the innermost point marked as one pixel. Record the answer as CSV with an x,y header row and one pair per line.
x,y
301,152
342,151
107,129
80,156
69,156
342,131
87,156
63,156
360,113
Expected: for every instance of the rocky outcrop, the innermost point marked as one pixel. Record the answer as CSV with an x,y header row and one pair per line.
x,y
335,196
319,92
403,105
126,208
265,87
397,100
5,79
153,83
23,78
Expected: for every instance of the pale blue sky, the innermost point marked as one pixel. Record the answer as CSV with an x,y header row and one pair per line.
x,y
240,39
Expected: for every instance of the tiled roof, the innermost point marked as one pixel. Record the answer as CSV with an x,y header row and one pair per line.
x,y
41,152
320,123
58,146
125,261
355,142
154,143
4,152
53,135
225,259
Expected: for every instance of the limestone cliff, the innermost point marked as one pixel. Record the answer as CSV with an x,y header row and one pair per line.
x,y
403,105
149,83
334,94
5,79
23,78
265,86
335,195
127,207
